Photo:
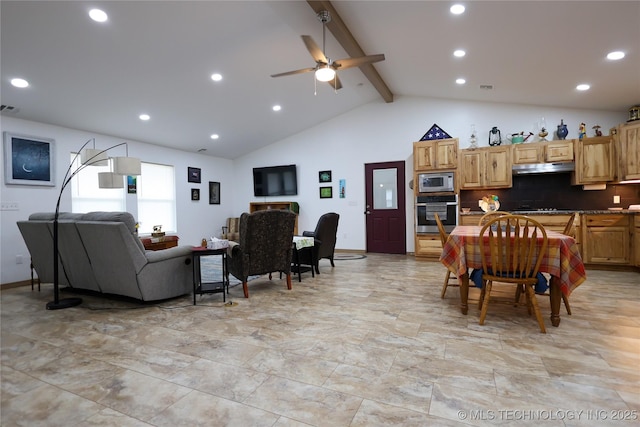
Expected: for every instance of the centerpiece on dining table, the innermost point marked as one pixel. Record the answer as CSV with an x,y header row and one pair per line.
x,y
489,203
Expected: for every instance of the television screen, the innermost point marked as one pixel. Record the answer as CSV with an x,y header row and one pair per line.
x,y
275,181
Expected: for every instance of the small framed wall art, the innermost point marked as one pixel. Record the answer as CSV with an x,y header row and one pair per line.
x,y
326,192
195,194
194,175
324,176
29,160
214,193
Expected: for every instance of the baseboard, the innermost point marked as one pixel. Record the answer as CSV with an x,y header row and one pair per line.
x,y
15,284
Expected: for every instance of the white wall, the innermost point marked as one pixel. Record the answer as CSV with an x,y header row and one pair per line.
x,y
195,219
375,132
379,132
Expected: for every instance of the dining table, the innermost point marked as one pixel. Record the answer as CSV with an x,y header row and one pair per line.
x,y
562,261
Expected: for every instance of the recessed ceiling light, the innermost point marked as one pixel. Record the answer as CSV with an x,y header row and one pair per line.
x,y
215,136
457,9
144,117
461,81
21,83
216,77
98,15
583,86
614,56
459,53
277,108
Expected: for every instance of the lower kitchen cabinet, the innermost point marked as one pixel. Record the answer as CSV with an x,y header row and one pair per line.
x,y
636,240
428,246
606,239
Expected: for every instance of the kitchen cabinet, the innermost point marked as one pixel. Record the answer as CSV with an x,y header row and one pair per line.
x,y
558,151
488,167
629,151
435,155
527,153
606,239
595,160
428,246
543,152
636,240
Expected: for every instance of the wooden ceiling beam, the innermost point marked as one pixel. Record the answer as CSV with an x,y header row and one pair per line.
x,y
351,46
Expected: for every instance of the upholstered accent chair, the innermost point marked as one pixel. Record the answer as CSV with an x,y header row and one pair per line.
x,y
324,240
231,230
265,246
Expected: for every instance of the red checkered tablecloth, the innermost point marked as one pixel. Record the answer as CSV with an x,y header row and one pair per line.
x,y
562,260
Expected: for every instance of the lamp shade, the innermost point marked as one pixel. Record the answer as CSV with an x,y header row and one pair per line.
x,y
126,166
94,157
325,73
110,180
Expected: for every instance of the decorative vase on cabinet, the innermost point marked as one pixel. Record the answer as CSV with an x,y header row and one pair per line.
x,y
562,130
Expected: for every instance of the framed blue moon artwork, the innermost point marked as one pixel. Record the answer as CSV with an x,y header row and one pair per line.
x,y
29,160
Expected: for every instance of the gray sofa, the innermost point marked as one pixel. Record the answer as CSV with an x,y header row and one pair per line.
x,y
100,251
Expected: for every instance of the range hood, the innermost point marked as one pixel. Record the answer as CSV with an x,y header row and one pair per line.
x,y
540,168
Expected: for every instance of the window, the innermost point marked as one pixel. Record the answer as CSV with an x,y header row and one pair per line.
x,y
86,196
156,198
156,195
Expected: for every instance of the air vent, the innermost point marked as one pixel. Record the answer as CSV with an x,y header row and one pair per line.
x,y
9,109
486,87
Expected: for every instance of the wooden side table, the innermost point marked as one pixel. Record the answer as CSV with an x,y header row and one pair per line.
x,y
200,287
156,244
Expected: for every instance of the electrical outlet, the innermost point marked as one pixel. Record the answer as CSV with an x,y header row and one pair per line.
x,y
19,259
10,206
616,199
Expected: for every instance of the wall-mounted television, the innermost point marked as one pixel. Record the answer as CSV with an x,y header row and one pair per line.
x,y
275,181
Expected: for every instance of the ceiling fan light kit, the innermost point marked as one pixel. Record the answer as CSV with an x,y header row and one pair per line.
x,y
325,69
325,73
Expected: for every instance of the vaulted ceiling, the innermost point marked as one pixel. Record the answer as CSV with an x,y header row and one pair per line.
x,y
157,57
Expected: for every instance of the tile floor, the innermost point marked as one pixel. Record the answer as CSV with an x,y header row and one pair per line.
x,y
368,343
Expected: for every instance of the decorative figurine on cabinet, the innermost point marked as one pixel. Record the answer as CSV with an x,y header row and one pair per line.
x,y
597,130
582,131
494,136
473,141
562,130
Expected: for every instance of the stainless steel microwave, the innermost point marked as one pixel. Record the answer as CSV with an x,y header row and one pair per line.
x,y
438,182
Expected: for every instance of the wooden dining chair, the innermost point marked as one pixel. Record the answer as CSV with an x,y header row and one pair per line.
x,y
512,248
490,215
449,279
569,230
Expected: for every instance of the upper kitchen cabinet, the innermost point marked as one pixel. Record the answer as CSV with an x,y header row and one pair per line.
x,y
629,151
542,152
595,160
435,155
488,167
558,151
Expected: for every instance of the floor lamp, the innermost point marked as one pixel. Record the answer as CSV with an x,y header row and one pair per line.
x,y
89,157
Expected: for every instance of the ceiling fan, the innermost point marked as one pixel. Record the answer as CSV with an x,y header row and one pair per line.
x,y
325,69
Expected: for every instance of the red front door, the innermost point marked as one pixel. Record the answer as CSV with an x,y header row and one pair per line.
x,y
385,207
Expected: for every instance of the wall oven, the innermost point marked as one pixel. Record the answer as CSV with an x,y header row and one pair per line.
x,y
439,182
445,205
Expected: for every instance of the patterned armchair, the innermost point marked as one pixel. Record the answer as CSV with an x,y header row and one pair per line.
x,y
265,246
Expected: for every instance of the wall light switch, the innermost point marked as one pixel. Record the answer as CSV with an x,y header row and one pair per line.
x,y
616,199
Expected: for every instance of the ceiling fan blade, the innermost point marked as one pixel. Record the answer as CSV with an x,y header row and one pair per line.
x,y
291,73
343,64
335,82
314,50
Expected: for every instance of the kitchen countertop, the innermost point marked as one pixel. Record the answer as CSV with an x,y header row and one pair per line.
x,y
561,212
